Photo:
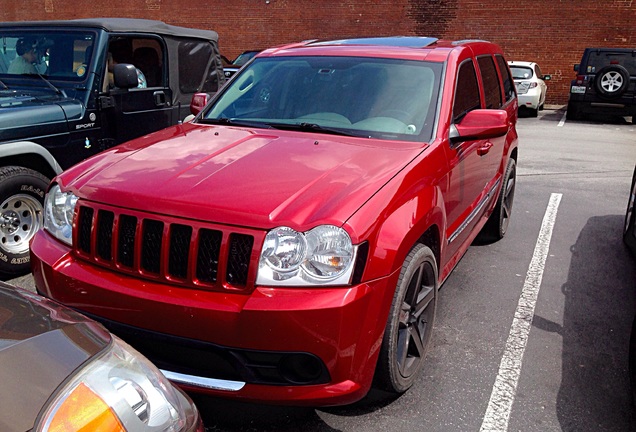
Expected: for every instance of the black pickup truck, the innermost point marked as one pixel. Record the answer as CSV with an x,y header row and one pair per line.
x,y
70,89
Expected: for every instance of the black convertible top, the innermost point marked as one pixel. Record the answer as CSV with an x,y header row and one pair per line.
x,y
123,25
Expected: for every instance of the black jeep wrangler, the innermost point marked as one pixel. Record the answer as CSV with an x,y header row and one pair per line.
x,y
70,89
605,83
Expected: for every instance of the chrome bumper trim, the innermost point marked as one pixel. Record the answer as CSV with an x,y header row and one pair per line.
x,y
211,383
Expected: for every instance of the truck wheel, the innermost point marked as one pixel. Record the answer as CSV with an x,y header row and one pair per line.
x,y
497,224
21,214
410,324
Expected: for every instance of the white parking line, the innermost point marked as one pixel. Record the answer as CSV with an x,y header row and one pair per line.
x,y
505,387
562,122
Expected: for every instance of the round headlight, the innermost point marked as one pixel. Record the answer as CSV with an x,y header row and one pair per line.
x,y
284,249
330,251
59,207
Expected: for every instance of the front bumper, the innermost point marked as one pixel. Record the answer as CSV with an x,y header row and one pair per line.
x,y
256,346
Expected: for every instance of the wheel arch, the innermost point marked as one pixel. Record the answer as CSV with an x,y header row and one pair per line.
x,y
417,220
29,155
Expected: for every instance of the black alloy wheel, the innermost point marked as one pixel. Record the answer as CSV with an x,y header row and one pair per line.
x,y
410,323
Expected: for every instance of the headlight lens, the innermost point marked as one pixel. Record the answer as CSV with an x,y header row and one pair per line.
x,y
321,256
118,391
58,213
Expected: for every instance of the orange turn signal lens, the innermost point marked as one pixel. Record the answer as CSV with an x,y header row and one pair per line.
x,y
84,411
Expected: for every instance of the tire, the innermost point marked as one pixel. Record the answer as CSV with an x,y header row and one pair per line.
x,y
410,324
21,214
573,112
497,225
611,81
632,362
629,234
533,112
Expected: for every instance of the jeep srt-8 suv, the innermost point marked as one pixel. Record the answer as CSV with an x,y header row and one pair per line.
x,y
605,83
288,244
62,100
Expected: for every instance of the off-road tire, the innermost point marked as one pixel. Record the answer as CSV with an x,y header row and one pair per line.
x,y
21,215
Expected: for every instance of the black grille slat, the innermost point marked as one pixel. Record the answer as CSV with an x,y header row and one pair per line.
x,y
239,258
152,240
163,248
105,220
126,240
85,222
208,255
179,256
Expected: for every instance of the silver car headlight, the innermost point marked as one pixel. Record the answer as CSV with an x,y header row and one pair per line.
x,y
118,391
58,213
321,256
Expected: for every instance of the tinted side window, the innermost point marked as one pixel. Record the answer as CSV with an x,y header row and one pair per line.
x,y
466,91
194,59
490,81
508,87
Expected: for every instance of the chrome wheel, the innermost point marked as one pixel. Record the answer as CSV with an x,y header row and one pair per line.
x,y
508,197
20,219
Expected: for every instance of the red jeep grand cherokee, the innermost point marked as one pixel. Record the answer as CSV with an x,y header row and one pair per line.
x,y
287,245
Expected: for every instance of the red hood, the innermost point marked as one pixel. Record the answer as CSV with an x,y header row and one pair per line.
x,y
256,178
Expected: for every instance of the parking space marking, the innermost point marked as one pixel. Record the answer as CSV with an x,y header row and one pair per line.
x,y
505,387
562,122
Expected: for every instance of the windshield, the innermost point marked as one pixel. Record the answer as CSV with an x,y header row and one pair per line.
x,y
54,55
521,72
366,97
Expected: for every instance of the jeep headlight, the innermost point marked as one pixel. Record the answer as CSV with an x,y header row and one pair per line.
x,y
58,213
321,256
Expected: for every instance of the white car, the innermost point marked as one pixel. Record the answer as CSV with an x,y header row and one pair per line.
x,y
530,84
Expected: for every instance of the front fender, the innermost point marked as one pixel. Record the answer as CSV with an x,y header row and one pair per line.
x,y
15,150
397,230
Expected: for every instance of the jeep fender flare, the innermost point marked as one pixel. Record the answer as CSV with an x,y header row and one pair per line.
x,y
18,149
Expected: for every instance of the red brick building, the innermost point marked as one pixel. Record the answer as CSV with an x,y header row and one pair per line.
x,y
550,32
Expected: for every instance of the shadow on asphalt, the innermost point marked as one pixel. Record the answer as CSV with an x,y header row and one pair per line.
x,y
598,311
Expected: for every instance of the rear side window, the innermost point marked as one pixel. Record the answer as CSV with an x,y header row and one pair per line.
x,y
195,59
490,81
466,91
508,86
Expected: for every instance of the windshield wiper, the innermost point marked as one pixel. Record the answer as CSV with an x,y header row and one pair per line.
x,y
6,87
51,86
314,127
234,122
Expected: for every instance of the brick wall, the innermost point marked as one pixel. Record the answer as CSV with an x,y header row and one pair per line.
x,y
550,32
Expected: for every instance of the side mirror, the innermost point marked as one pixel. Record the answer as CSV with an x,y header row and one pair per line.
x,y
198,102
125,76
576,68
547,77
480,124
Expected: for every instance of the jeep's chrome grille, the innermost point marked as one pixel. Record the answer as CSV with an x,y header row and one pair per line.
x,y
166,249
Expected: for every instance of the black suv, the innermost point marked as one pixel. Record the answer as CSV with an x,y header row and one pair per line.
x,y
69,89
605,83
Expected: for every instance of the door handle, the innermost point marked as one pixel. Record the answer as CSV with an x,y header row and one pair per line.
x,y
485,148
160,98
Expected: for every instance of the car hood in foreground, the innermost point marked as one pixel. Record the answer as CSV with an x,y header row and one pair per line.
x,y
41,344
258,178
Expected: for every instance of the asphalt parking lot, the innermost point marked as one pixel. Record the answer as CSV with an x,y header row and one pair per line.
x,y
532,332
